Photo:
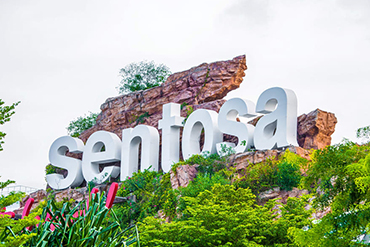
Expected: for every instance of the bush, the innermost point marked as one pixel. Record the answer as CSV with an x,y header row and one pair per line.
x,y
207,163
259,177
12,231
225,216
76,127
288,170
288,175
201,183
148,192
284,172
141,76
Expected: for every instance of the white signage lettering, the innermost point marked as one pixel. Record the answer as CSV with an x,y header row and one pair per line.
x,y
275,129
93,156
58,158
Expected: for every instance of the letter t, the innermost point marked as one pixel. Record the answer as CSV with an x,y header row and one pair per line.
x,y
170,125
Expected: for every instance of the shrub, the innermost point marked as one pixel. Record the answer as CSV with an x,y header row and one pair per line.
x,y
141,76
288,170
76,127
12,231
226,216
207,163
201,183
148,192
259,177
288,175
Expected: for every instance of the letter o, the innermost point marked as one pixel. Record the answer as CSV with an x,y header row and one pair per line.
x,y
198,120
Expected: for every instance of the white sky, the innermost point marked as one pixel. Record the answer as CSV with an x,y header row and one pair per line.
x,y
62,58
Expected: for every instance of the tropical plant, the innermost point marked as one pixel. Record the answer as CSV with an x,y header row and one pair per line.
x,y
82,225
142,75
76,127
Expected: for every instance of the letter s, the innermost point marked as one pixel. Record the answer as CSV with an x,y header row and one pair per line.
x,y
58,158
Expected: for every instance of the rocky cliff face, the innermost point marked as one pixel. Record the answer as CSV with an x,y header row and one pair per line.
x,y
201,87
315,129
204,87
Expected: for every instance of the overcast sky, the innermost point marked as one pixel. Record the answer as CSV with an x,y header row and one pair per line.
x,y
61,59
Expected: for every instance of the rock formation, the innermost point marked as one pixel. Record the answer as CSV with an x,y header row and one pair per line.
x,y
201,87
315,129
183,175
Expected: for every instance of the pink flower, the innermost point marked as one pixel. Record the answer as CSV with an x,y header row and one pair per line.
x,y
155,205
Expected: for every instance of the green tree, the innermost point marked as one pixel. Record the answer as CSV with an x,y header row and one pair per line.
x,y
142,75
11,231
225,216
5,113
76,127
338,177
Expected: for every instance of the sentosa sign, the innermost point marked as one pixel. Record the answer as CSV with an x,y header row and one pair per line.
x,y
277,128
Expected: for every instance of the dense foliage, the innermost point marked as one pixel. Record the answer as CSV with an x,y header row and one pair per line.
x,y
225,216
219,207
76,127
90,227
141,76
338,177
12,231
222,205
284,173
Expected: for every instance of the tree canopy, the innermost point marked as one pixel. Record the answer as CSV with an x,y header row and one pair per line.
x,y
141,76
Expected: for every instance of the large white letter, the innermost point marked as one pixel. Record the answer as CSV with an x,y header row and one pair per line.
x,y
279,127
57,158
198,120
93,156
131,138
170,125
242,130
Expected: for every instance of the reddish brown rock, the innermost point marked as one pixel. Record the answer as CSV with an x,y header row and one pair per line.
x,y
183,175
38,196
243,160
203,86
315,129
